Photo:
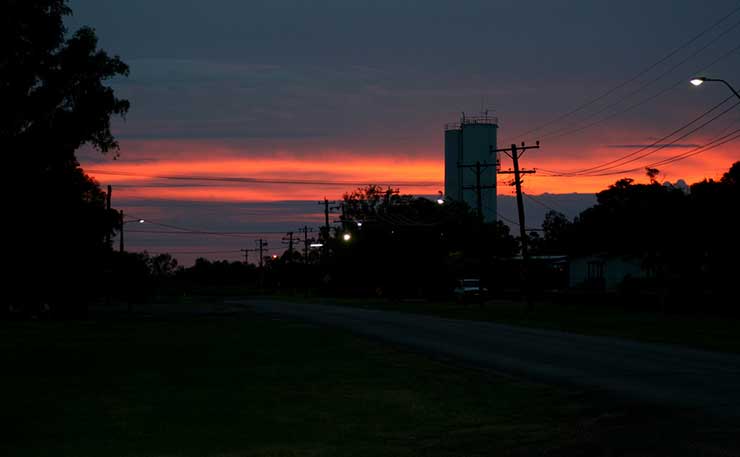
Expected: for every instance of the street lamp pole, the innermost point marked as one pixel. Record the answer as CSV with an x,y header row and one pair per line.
x,y
698,81
122,223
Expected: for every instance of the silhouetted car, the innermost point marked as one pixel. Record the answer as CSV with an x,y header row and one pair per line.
x,y
469,290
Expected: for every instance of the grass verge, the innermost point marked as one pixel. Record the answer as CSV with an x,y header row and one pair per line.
x,y
252,386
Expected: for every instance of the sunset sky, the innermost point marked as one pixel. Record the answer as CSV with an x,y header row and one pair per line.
x,y
348,92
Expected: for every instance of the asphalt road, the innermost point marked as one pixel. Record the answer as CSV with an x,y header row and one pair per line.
x,y
654,372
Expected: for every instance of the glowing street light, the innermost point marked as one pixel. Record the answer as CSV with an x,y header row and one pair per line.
x,y
699,80
346,237
138,221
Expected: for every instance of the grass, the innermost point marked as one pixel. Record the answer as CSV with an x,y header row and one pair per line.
x,y
252,386
698,331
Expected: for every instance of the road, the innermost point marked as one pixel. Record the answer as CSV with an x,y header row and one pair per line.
x,y
661,373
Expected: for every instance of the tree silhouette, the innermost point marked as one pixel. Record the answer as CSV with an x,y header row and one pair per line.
x,y
411,246
686,240
557,232
54,100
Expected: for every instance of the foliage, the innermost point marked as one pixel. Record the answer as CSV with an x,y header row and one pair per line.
x,y
205,271
686,240
557,232
54,100
411,246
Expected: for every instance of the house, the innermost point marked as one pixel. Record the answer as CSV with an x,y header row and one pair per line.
x,y
605,272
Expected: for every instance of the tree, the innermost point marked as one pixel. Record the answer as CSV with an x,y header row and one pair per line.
x,y
54,100
557,231
632,219
686,240
652,174
411,245
162,266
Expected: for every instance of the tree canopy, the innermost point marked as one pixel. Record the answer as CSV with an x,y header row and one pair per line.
x,y
54,100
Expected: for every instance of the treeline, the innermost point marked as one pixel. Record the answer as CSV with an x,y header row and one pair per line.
x,y
686,240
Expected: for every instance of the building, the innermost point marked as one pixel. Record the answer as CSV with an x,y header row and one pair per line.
x,y
605,272
466,143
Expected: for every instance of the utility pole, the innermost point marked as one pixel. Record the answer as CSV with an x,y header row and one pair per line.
x,y
327,210
107,207
479,169
290,246
121,234
260,245
246,255
515,154
305,231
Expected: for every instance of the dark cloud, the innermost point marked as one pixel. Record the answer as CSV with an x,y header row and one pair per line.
x,y
372,76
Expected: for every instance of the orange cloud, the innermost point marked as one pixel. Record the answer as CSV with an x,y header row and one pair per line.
x,y
207,160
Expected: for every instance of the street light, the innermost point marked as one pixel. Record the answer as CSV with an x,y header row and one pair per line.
x,y
699,80
138,221
347,237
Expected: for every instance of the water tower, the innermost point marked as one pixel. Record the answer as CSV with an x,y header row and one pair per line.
x,y
468,142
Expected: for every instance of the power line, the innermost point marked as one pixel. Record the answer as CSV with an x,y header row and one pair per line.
x,y
506,219
229,234
568,130
629,80
191,231
674,141
195,252
644,100
656,145
715,143
541,203
687,155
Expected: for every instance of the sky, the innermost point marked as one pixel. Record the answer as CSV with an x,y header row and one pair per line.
x,y
354,92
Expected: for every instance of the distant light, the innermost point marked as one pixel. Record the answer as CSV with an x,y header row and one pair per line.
x,y
698,81
347,237
440,201
317,245
359,223
274,256
141,221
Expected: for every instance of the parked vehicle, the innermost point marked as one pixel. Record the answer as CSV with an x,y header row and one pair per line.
x,y
469,290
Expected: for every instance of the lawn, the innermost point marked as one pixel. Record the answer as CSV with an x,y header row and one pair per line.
x,y
252,386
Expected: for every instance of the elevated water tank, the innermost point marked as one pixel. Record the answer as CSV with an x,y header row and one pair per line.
x,y
467,142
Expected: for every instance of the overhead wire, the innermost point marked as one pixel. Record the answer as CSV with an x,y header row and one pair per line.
x,y
631,79
177,230
715,143
656,145
672,142
541,203
568,130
